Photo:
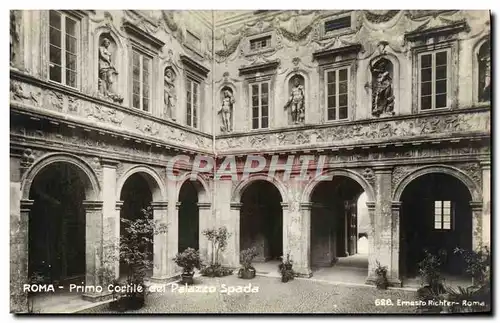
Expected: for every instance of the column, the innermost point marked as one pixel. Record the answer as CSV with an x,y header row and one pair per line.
x,y
372,252
233,248
477,228
298,221
486,217
384,228
160,250
93,247
111,219
395,241
204,216
19,224
173,228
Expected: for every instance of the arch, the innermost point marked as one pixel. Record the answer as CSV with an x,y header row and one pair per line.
x,y
308,190
87,174
200,183
443,169
242,185
154,181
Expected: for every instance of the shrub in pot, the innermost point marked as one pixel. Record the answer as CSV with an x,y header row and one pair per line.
x,y
431,281
381,272
286,270
247,271
218,240
189,259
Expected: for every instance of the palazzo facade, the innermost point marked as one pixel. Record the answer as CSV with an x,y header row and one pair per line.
x,y
101,101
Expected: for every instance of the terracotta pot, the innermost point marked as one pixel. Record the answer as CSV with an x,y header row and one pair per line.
x,y
187,278
247,273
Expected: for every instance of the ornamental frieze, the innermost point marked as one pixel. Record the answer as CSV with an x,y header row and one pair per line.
x,y
460,122
69,107
473,170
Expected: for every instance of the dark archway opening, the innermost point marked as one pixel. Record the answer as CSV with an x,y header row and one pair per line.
x,y
334,225
56,243
261,221
435,215
136,196
189,215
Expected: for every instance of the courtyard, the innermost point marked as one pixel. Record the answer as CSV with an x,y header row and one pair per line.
x,y
273,296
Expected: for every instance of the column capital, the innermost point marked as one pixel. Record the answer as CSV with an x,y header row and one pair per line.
x,y
306,206
178,205
92,205
485,164
383,169
108,162
159,205
395,205
204,205
235,205
285,205
118,205
476,205
370,205
26,205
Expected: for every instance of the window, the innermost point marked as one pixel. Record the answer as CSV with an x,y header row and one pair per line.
x,y
337,97
484,73
336,24
260,105
434,80
63,48
260,43
141,80
442,215
192,101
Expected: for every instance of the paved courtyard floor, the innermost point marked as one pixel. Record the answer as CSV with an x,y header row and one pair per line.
x,y
270,295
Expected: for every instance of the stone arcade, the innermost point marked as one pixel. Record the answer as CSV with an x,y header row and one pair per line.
x,y
101,101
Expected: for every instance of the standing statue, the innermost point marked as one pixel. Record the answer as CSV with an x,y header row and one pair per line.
x,y
14,36
226,110
485,91
296,102
170,97
107,72
382,92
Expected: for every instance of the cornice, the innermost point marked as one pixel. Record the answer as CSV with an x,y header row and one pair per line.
x,y
259,67
194,65
344,50
453,28
143,35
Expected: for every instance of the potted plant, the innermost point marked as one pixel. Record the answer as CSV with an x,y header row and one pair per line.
x,y
247,271
189,259
381,272
218,239
285,268
431,281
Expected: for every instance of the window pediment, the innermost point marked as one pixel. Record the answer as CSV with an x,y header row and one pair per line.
x,y
451,29
194,66
252,69
330,55
143,37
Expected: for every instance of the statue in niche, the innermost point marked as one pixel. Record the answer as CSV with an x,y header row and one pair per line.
x,y
170,97
226,109
484,60
296,101
14,36
107,72
382,91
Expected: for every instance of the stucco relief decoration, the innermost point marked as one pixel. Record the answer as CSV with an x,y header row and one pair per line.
x,y
107,72
382,88
484,69
170,95
296,101
147,128
380,16
296,26
369,175
400,172
225,111
104,114
473,170
73,104
28,158
19,92
55,99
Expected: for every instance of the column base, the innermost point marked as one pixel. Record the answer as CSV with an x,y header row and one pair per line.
x,y
393,282
303,272
97,297
164,279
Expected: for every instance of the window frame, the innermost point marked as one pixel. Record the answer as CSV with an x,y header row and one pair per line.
x,y
441,221
337,69
433,79
259,84
142,55
189,108
78,32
